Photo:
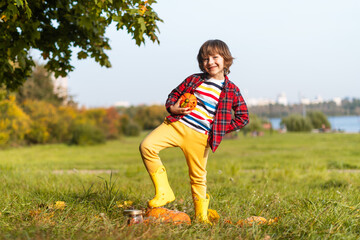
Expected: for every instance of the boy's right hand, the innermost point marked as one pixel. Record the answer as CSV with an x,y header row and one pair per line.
x,y
176,109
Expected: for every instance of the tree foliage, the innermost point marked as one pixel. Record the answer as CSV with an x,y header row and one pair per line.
x,y
255,124
297,123
14,123
313,120
48,125
349,107
39,86
149,117
54,27
86,134
318,120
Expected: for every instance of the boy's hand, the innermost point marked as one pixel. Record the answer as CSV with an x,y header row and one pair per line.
x,y
176,109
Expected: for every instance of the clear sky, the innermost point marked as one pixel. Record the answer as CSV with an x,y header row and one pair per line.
x,y
300,47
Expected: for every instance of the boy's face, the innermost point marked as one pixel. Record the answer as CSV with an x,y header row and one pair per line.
x,y
214,66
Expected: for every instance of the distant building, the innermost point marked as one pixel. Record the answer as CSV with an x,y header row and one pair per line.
x,y
259,102
122,104
337,101
282,99
60,86
318,99
305,101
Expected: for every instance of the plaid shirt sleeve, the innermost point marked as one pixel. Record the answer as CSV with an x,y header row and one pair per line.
x,y
241,114
224,122
187,86
175,94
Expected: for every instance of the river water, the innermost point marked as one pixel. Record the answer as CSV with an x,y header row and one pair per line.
x,y
349,124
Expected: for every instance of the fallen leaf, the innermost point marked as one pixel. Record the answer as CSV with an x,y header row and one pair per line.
x,y
60,205
213,216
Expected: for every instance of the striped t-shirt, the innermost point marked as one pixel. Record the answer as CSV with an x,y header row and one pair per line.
x,y
202,117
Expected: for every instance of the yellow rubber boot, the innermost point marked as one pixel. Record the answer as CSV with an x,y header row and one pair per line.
x,y
201,209
163,191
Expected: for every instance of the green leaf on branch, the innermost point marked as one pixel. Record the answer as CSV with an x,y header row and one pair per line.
x,y
54,27
82,55
142,25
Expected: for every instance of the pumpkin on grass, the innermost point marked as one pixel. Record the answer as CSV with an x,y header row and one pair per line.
x,y
188,100
164,215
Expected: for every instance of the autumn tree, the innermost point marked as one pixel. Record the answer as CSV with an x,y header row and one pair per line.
x,y
149,117
39,86
55,27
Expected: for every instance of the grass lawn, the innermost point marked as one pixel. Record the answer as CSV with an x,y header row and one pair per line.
x,y
310,181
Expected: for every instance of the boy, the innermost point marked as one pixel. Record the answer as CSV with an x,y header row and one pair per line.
x,y
196,131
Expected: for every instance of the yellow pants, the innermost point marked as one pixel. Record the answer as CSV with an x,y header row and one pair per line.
x,y
192,143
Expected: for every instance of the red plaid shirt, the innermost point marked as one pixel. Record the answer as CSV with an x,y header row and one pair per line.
x,y
230,98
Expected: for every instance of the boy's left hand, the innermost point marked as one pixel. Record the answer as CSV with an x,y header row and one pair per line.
x,y
176,109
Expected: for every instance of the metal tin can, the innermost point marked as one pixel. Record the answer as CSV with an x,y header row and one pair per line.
x,y
134,216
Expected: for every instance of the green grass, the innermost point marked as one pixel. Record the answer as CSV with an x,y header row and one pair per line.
x,y
310,181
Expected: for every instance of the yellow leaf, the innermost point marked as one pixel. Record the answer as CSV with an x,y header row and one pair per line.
x,y
60,205
124,204
142,7
213,216
273,220
35,213
119,204
252,220
128,203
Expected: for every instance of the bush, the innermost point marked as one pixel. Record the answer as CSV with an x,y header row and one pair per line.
x,y
66,118
44,121
112,122
150,117
38,133
297,123
255,124
108,120
14,123
86,134
318,119
131,129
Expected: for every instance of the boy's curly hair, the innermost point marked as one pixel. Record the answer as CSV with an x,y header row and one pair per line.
x,y
212,47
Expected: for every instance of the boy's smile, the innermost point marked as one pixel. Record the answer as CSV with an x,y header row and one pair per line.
x,y
214,66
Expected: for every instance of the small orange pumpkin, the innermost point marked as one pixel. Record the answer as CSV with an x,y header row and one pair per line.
x,y
188,100
164,215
